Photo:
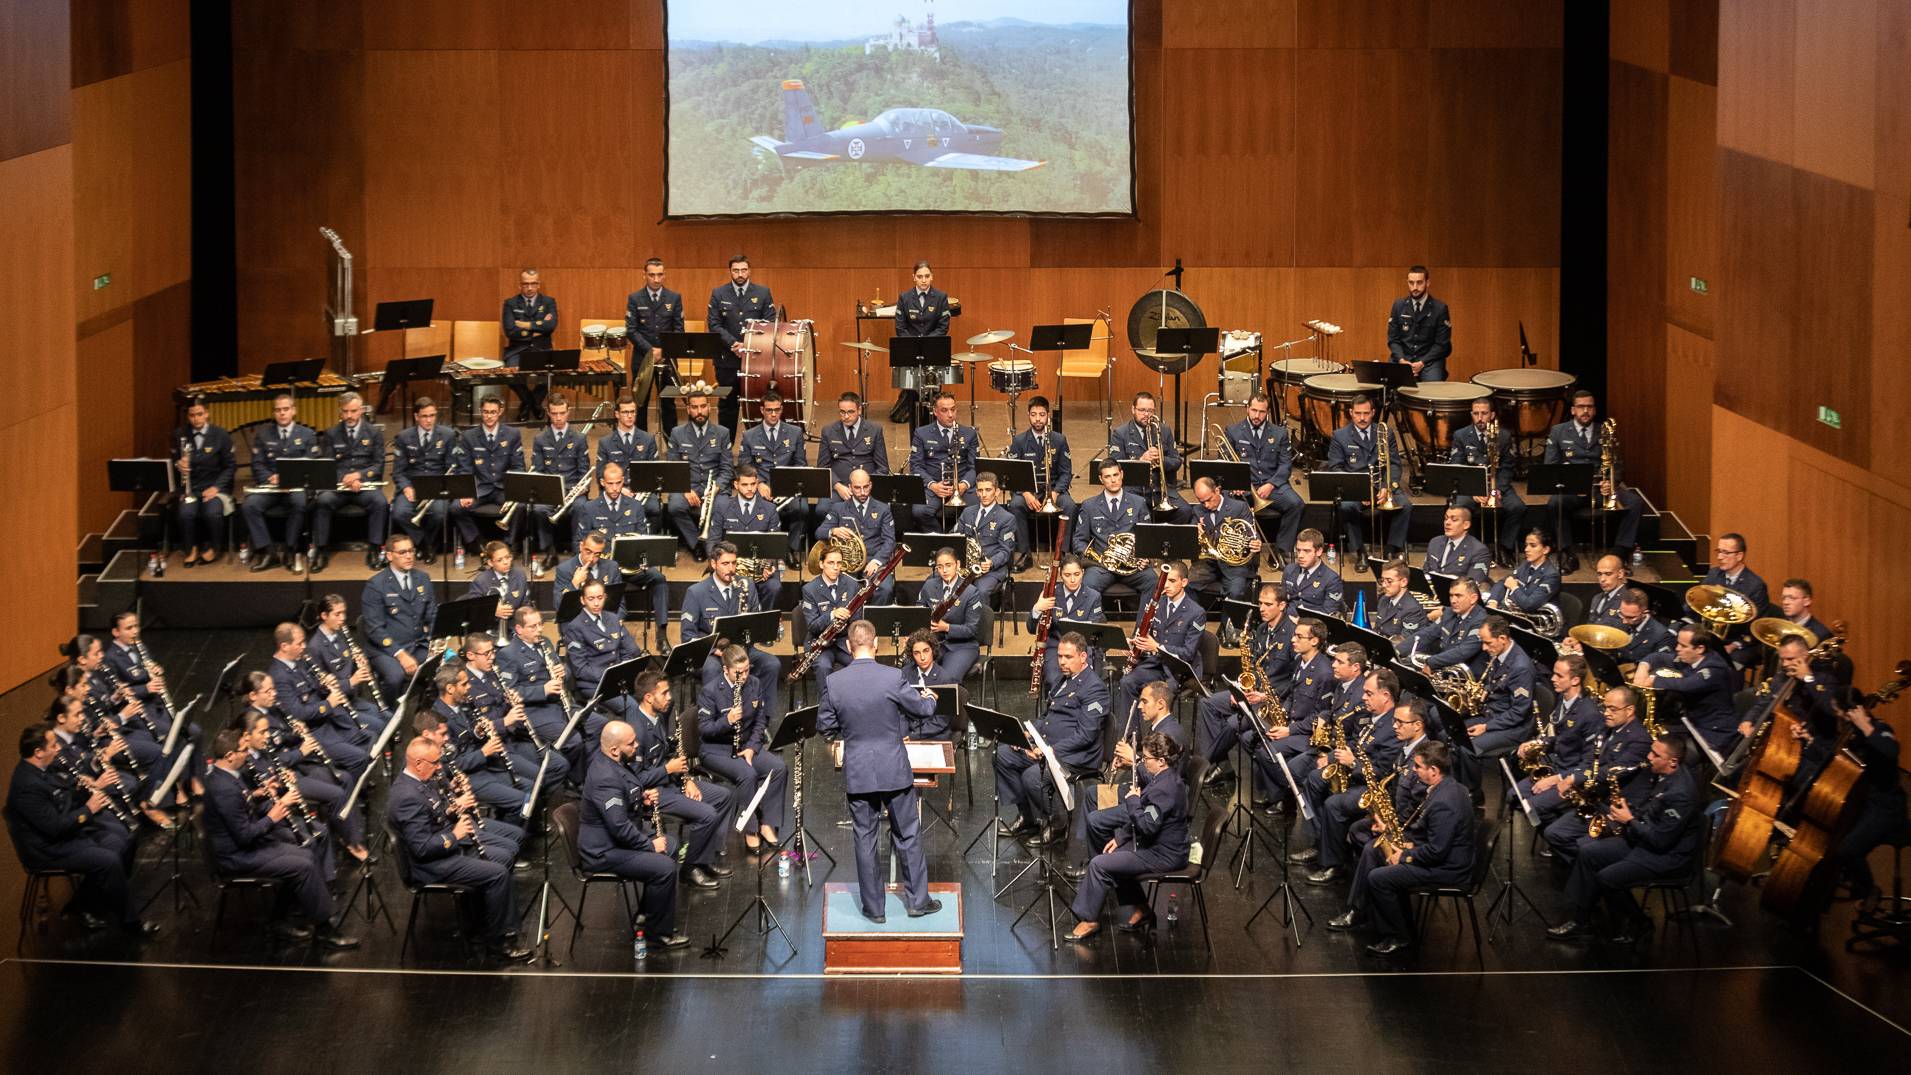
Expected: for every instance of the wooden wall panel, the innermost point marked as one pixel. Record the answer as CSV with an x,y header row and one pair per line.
x,y
133,185
1243,156
105,358
446,24
117,37
1362,131
1636,180
1890,329
1692,202
433,187
560,209
37,363
1494,24
1694,40
1833,311
162,348
1756,326
1687,483
1835,108
1218,24
1639,33
585,25
286,28
1489,196
1356,24
35,107
39,574
1757,77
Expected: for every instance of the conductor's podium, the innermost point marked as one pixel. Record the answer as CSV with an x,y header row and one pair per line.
x,y
853,944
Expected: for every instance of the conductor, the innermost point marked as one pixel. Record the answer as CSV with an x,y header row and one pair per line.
x,y
866,705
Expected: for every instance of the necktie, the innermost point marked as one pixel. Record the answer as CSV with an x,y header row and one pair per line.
x,y
654,296
285,434
1585,435
1417,303
404,580
948,436
491,440
627,442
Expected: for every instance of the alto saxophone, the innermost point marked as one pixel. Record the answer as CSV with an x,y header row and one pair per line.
x,y
1338,776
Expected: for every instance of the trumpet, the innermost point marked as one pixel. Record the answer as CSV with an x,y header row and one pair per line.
x,y
570,497
1228,453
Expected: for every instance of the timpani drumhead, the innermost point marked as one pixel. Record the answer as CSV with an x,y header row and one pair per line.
x,y
1445,391
1523,380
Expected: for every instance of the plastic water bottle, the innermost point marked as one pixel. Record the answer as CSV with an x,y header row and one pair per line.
x,y
640,947
783,863
1333,558
245,551
1174,907
457,559
156,566
1638,554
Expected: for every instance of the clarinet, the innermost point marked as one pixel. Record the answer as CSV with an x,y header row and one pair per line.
x,y
123,691
488,732
332,686
300,821
736,730
361,661
460,785
153,670
304,732
563,695
113,805
517,702
105,720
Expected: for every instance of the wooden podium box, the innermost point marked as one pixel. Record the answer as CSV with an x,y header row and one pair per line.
x,y
902,945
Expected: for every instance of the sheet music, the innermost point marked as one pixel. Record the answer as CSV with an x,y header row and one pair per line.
x,y
1055,769
927,755
744,815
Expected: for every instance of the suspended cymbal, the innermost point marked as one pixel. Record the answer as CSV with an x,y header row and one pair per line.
x,y
867,347
1718,605
971,356
994,335
1599,636
1774,630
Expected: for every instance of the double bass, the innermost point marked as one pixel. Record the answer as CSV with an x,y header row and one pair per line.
x,y
1772,761
1824,810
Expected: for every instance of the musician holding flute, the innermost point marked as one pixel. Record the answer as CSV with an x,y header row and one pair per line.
x,y
202,453
867,707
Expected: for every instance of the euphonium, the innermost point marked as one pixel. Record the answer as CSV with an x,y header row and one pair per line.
x,y
1457,687
1259,502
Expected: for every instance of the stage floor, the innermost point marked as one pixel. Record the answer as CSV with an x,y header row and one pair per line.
x,y
1757,996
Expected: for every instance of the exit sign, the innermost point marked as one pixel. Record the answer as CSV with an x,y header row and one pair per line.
x,y
1830,417
1699,285
100,281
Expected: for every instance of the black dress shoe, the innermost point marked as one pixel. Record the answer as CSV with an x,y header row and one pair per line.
x,y
1387,947
720,871
1076,871
189,564
698,877
879,919
1305,856
926,909
1082,938
1343,922
426,556
337,942
1137,925
512,953
139,927
1634,932
89,920
319,559
1324,877
1216,777
1047,835
261,561
672,940
1569,564
292,931
1022,827
1569,930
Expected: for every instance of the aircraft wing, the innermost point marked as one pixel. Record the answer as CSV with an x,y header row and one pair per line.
x,y
776,147
979,163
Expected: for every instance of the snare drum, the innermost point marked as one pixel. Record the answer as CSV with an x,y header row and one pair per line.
x,y
1289,376
1012,375
1432,411
593,337
1326,398
1530,402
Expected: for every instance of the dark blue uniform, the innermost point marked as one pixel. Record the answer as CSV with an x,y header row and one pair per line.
x,y
939,453
1538,587
420,454
568,456
209,455
866,706
1215,578
993,529
614,835
53,830
1707,689
489,454
1574,724
1451,559
1570,442
1442,853
1096,521
1604,607
1455,639
624,447
419,814
244,840
541,313
1661,840
501,786
1421,331
1055,474
767,447
358,450
730,307
703,819
734,515
331,654
1400,621
301,696
1314,589
1073,726
1178,627
871,519
647,316
846,449
752,733
962,646
706,601
1469,449
821,598
397,612
1153,838
1353,449
270,444
1270,461
1508,709
1611,750
923,313
1220,722
1132,441
528,671
706,448
1743,650
487,699
1649,636
1083,606
592,644
615,518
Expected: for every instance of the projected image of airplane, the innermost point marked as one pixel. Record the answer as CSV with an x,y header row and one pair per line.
x,y
928,137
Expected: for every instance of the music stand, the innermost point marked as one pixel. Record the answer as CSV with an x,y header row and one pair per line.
x,y
1238,614
898,490
810,483
1007,731
897,622
1390,376
530,489
1509,888
749,628
400,372
1167,541
772,545
1378,646
405,313
449,488
146,476
1339,486
1276,839
571,605
707,346
292,374
308,475
920,549
797,728
1192,343
1542,651
550,360
458,618
1011,475
177,879
1060,337
1103,638
1451,480
1559,481
641,552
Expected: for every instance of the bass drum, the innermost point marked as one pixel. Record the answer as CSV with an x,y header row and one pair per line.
x,y
779,355
1432,411
1326,399
1287,378
1530,402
